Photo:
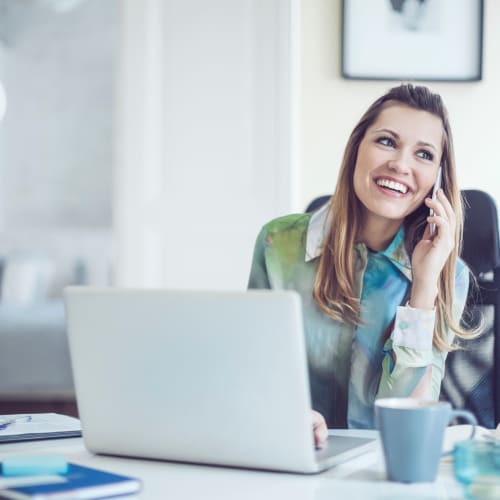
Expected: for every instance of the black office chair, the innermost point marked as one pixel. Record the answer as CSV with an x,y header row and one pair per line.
x,y
318,203
472,377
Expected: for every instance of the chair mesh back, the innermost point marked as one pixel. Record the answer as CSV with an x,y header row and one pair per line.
x,y
469,378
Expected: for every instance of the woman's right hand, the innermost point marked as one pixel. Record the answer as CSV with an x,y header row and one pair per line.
x,y
431,253
320,430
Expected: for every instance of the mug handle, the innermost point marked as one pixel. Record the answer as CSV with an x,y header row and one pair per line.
x,y
466,415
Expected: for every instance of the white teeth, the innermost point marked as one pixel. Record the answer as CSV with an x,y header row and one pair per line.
x,y
395,186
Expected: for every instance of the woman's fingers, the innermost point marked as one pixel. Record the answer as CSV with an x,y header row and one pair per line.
x,y
443,215
320,430
446,205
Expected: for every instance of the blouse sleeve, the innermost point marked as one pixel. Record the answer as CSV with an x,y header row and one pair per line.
x,y
258,272
411,365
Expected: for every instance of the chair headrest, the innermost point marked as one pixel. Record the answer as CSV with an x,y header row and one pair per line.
x,y
481,248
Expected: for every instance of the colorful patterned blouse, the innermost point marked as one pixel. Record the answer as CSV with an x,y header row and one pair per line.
x,y
349,367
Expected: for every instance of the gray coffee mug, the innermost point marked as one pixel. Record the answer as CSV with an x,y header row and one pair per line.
x,y
412,432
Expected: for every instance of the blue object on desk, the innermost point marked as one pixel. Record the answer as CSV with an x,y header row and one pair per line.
x,y
34,465
79,482
476,465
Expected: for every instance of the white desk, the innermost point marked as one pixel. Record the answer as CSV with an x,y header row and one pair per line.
x,y
360,478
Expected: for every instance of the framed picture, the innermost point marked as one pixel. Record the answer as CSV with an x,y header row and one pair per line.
x,y
412,39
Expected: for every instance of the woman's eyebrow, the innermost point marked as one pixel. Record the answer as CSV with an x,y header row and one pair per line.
x,y
395,135
387,131
427,144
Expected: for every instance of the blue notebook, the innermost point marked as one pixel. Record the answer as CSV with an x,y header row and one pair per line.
x,y
79,482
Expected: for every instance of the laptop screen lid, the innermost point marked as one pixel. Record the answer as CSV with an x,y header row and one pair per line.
x,y
192,376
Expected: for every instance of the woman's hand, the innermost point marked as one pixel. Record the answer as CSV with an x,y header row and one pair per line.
x,y
431,254
320,430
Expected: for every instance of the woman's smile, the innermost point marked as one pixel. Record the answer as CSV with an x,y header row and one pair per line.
x,y
392,186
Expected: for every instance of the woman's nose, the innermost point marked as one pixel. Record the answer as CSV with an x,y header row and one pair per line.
x,y
400,164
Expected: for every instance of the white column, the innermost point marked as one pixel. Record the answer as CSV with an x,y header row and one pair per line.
x,y
139,158
207,141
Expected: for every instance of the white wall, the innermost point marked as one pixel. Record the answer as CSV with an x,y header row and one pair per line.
x,y
331,105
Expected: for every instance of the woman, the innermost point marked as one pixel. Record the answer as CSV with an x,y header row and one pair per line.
x,y
382,298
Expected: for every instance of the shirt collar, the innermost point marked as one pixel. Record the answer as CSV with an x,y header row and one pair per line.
x,y
317,230
397,254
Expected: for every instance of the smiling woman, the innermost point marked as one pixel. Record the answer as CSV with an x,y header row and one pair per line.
x,y
382,298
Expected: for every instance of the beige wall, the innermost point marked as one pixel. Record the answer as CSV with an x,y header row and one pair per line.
x,y
331,105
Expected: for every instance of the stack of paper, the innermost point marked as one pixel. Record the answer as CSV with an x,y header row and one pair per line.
x,y
32,426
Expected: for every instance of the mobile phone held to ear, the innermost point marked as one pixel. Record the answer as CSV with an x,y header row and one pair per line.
x,y
437,185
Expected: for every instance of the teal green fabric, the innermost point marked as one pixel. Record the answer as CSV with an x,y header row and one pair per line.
x,y
349,367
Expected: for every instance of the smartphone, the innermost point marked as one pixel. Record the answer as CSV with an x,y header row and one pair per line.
x,y
437,185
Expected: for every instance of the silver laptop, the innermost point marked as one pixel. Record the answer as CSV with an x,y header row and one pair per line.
x,y
205,377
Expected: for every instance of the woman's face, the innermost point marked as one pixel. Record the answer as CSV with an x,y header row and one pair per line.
x,y
397,162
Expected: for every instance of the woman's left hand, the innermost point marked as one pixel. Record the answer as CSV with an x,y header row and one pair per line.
x,y
431,253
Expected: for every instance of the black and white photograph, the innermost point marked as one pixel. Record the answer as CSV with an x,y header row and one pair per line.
x,y
412,39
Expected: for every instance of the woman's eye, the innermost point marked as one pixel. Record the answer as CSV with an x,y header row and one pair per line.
x,y
386,141
426,155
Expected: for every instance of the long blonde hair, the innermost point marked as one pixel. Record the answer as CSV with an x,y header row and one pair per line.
x,y
334,287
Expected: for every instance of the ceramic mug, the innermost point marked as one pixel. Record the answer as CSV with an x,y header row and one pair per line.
x,y
412,432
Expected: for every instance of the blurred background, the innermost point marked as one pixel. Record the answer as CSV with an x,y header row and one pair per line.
x,y
145,142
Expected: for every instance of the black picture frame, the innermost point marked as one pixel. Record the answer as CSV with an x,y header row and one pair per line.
x,y
426,40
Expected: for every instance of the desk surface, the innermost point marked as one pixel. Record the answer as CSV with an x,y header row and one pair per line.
x,y
362,477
